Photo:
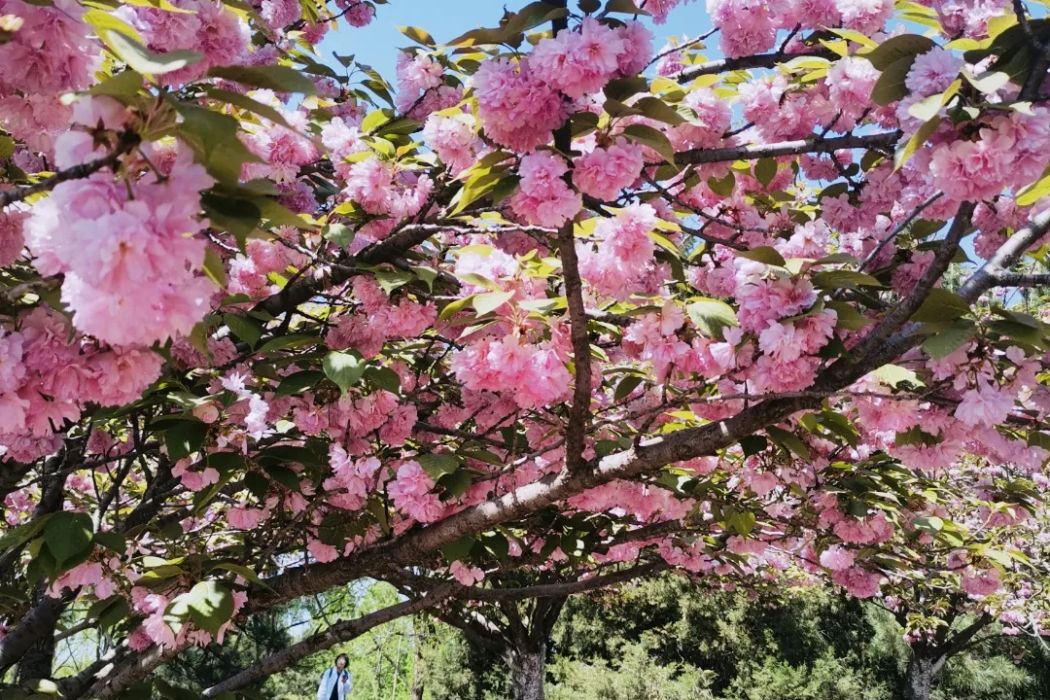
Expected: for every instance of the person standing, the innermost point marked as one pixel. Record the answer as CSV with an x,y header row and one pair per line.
x,y
336,682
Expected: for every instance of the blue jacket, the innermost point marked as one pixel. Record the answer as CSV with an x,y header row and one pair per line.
x,y
328,681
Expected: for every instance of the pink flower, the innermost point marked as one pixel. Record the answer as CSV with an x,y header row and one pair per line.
x,y
245,518
517,109
865,15
850,81
982,583
625,251
131,271
987,405
603,172
209,29
543,197
967,170
932,72
86,574
411,493
51,52
322,552
637,48
454,140
467,575
579,63
836,558
858,581
746,25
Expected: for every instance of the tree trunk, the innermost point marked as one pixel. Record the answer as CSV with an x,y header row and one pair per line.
x,y
919,680
527,671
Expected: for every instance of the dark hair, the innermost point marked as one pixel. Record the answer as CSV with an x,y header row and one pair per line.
x,y
342,656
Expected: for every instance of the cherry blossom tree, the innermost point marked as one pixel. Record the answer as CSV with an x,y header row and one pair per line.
x,y
554,294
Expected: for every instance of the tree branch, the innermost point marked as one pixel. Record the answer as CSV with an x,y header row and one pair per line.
x,y
814,144
126,141
761,60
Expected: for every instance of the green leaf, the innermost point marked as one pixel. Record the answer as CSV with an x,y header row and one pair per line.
x,y
184,437
490,301
763,254
209,604
626,386
928,523
457,483
213,138
438,465
890,86
18,536
123,85
624,6
383,378
340,234
344,369
788,441
214,268
1036,191
246,330
711,316
247,103
915,142
945,338
276,78
848,316
654,139
742,522
113,541
895,48
68,535
420,36
941,305
458,549
144,61
766,170
722,186
655,108
844,279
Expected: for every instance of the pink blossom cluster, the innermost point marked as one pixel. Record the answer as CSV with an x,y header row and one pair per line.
x,y
624,253
966,17
380,188
603,172
379,320
454,138
544,197
47,378
351,480
358,12
1009,151
750,26
208,28
517,109
131,265
533,374
580,63
50,53
412,492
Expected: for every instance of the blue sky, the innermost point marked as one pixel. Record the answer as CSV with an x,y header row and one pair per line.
x,y
377,44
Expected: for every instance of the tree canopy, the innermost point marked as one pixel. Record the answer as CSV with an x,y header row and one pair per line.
x,y
551,305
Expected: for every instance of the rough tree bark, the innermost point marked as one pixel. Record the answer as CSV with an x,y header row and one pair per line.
x,y
527,671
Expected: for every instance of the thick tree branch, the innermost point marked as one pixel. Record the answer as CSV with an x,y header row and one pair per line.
x,y
1021,279
339,632
126,141
814,144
